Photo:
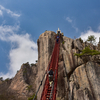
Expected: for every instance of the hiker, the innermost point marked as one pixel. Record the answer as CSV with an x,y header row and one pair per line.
x,y
50,76
57,39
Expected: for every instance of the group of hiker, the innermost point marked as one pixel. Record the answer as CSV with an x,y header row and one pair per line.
x,y
57,37
50,72
51,77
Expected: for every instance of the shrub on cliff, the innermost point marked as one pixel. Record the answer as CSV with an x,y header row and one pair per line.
x,y
33,64
87,52
24,71
6,80
1,78
31,98
29,87
91,39
63,42
80,40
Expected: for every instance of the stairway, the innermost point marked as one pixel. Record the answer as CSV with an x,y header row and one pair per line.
x,y
49,93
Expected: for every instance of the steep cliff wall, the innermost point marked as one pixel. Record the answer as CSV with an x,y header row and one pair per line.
x,y
22,86
69,89
46,44
80,81
78,78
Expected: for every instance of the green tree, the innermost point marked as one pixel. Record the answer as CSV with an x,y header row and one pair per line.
x,y
63,42
29,87
91,39
80,40
1,78
87,52
7,79
36,61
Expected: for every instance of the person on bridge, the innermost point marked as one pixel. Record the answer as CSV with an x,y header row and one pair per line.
x,y
50,77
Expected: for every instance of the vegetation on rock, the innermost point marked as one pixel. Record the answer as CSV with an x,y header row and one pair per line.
x,y
91,39
26,64
1,78
87,52
33,64
31,98
29,87
36,61
80,40
63,42
24,72
7,79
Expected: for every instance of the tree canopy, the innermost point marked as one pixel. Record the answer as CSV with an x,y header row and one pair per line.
x,y
91,39
87,52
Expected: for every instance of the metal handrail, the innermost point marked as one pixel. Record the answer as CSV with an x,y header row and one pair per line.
x,y
39,87
52,87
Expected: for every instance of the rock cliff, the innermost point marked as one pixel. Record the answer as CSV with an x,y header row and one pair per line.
x,y
78,78
46,44
22,86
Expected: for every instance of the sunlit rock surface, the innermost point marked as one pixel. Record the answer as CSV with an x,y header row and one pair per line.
x,y
78,78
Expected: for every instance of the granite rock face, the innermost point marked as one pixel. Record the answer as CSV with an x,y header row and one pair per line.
x,y
85,82
68,49
78,78
46,44
82,80
74,83
23,84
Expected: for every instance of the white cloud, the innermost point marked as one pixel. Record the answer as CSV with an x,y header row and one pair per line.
x,y
23,49
1,13
69,20
9,11
75,28
6,31
99,28
84,35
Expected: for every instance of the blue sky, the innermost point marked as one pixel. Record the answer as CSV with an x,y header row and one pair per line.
x,y
22,22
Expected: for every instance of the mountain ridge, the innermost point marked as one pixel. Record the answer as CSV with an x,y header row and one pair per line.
x,y
75,80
